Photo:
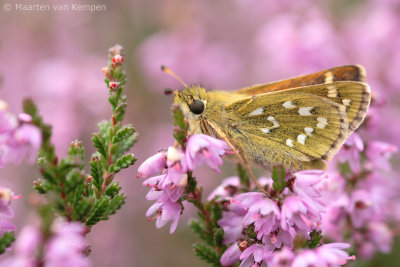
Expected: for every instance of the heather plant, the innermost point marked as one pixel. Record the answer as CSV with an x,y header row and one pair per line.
x,y
307,218
73,196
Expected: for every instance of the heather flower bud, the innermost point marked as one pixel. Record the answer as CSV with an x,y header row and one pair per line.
x,y
23,117
113,85
117,59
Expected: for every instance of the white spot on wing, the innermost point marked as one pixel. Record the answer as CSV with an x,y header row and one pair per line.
x,y
329,77
301,138
265,130
257,111
309,130
274,121
322,122
305,111
289,142
332,91
288,104
346,102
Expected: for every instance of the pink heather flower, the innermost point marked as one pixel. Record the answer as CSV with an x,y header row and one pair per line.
x,y
305,186
6,197
282,258
166,211
66,246
261,211
297,215
26,245
232,223
17,141
360,208
113,85
8,122
117,59
255,255
202,148
377,237
227,189
25,118
153,165
379,153
327,255
231,255
351,152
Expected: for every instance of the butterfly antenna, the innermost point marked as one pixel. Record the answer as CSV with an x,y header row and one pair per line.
x,y
167,70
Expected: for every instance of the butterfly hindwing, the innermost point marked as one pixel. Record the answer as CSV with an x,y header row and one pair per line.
x,y
290,127
342,73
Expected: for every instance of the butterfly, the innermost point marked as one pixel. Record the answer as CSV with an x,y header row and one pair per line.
x,y
297,123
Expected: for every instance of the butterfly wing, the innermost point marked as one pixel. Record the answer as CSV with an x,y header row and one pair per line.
x,y
297,126
342,73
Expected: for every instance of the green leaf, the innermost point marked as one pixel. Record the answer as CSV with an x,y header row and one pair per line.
x,y
82,209
243,176
6,240
192,184
76,152
278,176
119,149
207,254
97,172
315,239
123,133
104,207
218,236
122,163
201,231
100,142
98,211
181,126
113,189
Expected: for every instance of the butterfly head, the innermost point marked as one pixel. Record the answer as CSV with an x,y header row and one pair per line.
x,y
192,100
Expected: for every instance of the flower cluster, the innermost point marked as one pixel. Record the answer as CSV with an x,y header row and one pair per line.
x,y
259,225
64,248
359,193
6,197
19,138
175,166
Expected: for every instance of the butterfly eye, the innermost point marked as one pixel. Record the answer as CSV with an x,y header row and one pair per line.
x,y
197,107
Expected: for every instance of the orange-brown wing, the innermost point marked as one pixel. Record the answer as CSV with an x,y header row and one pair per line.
x,y
342,73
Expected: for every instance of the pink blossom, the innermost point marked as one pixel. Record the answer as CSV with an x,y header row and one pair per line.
x,y
202,148
26,246
380,153
282,258
66,246
351,152
226,189
297,215
18,141
231,255
360,208
166,211
255,255
6,197
262,212
232,222
153,165
327,255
